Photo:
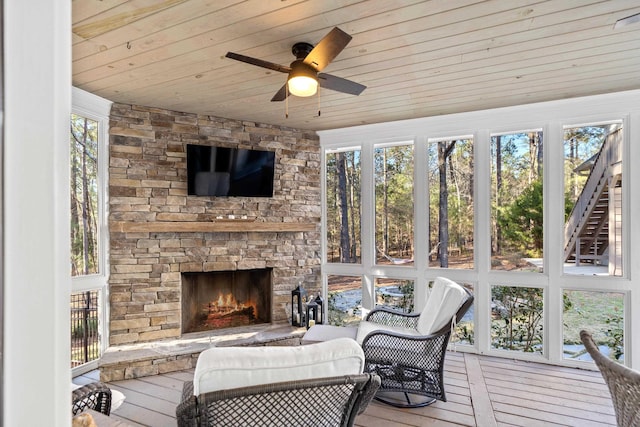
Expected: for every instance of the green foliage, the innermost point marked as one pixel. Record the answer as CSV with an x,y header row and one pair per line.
x,y
522,221
338,317
394,199
615,332
599,312
464,334
403,303
78,330
518,318
406,287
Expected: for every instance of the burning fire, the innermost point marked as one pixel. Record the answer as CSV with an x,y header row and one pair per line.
x,y
226,311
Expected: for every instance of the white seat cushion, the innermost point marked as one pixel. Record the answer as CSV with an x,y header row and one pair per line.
x,y
223,368
365,328
320,333
117,399
443,302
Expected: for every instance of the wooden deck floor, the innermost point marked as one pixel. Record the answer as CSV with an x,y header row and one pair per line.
x,y
481,391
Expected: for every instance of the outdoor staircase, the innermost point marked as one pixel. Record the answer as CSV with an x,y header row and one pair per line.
x,y
587,230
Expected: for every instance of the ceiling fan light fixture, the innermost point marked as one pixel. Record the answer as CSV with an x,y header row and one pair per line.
x,y
302,80
302,86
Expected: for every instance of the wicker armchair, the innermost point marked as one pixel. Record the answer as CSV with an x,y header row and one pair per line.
x,y
96,396
623,383
409,361
312,385
334,401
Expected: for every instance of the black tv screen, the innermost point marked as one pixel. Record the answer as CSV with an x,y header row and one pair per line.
x,y
224,171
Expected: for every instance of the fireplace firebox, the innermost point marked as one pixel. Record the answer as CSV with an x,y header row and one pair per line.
x,y
225,299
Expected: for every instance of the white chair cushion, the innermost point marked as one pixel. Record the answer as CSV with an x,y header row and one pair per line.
x,y
117,399
443,302
321,333
222,368
365,328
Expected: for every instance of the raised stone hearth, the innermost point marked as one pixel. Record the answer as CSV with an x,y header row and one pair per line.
x,y
148,196
145,359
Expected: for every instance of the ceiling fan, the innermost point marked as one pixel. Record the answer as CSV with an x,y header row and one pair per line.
x,y
304,72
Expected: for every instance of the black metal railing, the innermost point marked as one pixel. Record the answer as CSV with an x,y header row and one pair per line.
x,y
85,339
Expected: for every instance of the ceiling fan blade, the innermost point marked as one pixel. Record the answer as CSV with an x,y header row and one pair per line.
x,y
339,84
258,62
327,49
281,95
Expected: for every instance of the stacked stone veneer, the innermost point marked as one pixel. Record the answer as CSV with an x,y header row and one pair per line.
x,y
148,182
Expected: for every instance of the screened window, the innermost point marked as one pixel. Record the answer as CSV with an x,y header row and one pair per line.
x,y
517,318
593,199
527,206
84,196
517,201
88,161
602,313
343,205
395,293
451,182
344,300
393,169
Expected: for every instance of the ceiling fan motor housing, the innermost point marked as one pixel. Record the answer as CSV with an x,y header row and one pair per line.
x,y
299,68
301,50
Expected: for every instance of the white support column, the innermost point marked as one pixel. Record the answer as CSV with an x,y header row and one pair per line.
x,y
482,240
37,282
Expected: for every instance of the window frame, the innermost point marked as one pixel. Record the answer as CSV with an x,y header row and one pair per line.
x,y
98,109
550,118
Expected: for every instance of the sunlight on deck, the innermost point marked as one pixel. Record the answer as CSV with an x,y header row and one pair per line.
x,y
481,391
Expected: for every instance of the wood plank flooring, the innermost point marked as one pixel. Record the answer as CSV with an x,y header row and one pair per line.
x,y
481,391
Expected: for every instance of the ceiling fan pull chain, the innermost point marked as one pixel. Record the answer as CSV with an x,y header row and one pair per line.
x,y
318,100
286,102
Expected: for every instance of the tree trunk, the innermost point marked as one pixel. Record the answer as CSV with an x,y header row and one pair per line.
x,y
352,209
443,207
85,202
345,250
540,154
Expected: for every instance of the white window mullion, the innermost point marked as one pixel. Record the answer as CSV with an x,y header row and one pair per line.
x,y
553,236
368,221
482,239
421,221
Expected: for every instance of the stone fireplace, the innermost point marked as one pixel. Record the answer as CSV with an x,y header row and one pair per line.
x,y
159,235
225,299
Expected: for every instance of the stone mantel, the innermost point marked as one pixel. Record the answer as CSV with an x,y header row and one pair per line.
x,y
209,226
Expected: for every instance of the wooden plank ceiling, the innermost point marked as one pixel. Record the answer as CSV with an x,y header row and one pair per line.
x,y
417,58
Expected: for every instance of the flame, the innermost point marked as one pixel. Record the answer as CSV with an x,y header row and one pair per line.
x,y
226,304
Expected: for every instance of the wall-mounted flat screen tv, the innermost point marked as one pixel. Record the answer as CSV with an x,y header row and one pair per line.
x,y
224,171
